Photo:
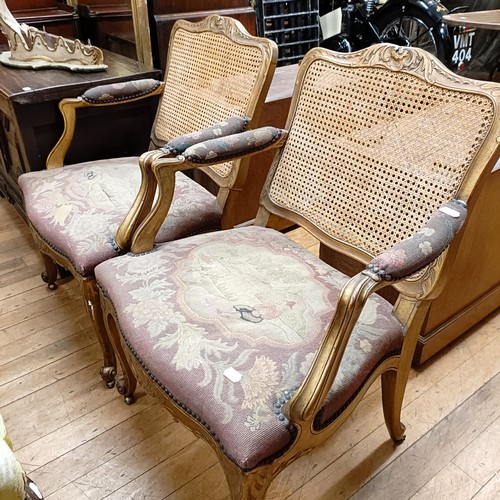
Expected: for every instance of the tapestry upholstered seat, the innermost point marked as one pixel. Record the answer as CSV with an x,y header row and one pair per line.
x,y
267,331
79,208
258,346
217,76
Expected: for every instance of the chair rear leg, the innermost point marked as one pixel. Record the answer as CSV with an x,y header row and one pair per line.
x,y
49,276
394,382
93,306
392,401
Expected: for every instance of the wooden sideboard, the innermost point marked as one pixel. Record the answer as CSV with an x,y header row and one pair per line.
x,y
473,290
31,122
274,113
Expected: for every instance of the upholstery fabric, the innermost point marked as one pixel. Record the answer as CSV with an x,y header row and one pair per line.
x,y
247,299
115,92
232,125
78,209
424,246
233,146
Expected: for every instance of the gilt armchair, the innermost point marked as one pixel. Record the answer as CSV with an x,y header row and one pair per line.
x,y
255,344
217,76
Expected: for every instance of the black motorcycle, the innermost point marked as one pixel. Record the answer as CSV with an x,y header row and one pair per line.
x,y
349,25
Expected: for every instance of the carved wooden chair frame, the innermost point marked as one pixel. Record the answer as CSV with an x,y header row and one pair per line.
x,y
230,181
416,289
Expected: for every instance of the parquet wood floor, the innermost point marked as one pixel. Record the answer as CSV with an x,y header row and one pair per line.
x,y
79,441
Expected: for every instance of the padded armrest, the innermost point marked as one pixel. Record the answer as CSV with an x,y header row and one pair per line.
x,y
119,92
233,146
424,246
103,95
233,125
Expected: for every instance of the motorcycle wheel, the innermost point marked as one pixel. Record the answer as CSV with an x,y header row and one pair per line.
x,y
414,28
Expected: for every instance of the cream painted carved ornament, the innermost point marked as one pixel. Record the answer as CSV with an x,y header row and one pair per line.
x,y
31,48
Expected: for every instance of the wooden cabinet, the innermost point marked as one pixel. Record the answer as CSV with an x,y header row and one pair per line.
x,y
108,25
164,13
30,122
53,16
274,113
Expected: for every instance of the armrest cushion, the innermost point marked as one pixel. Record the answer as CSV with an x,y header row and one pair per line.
x,y
233,146
232,125
424,246
116,92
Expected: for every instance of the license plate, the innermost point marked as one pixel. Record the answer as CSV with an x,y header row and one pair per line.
x,y
462,46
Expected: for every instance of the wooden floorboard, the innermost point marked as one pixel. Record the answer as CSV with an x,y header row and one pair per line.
x,y
452,435
79,441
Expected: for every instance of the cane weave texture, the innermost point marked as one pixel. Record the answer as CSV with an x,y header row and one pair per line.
x,y
383,130
209,78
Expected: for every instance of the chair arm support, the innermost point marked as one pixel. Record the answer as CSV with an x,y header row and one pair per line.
x,y
142,203
103,95
310,396
117,93
423,247
164,168
394,264
144,237
234,146
151,176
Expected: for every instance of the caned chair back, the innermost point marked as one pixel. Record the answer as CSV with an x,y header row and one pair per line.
x,y
214,70
378,140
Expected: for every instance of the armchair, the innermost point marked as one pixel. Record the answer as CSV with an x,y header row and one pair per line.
x,y
259,347
83,214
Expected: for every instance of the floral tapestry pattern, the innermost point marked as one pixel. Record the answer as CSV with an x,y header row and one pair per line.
x,y
249,301
78,208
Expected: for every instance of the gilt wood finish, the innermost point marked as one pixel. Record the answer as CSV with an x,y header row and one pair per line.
x,y
382,63
235,96
473,288
68,108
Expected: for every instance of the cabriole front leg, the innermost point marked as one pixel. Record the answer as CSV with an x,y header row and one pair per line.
x,y
93,306
248,486
127,383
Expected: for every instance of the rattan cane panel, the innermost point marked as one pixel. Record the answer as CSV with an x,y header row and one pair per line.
x,y
210,78
372,153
